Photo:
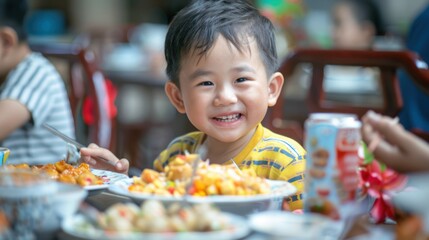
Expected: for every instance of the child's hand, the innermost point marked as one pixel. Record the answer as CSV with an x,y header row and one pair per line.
x,y
398,149
101,158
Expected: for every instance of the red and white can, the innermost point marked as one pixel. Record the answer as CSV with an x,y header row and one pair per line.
x,y
332,142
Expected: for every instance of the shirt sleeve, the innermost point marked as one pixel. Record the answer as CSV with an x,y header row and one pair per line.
x,y
160,160
179,145
294,174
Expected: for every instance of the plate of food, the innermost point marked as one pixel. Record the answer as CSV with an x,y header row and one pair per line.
x,y
277,190
82,174
287,225
152,220
223,185
108,178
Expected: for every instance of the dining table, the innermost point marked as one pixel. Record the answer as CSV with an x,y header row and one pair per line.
x,y
360,228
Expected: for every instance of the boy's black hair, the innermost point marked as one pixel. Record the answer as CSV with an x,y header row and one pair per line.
x,y
368,11
12,14
196,27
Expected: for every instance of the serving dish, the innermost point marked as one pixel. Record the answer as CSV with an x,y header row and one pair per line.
x,y
108,177
32,202
79,226
241,205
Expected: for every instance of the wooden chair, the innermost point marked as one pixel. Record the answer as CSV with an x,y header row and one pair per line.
x,y
84,79
388,62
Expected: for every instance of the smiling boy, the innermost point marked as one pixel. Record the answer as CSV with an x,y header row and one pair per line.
x,y
222,61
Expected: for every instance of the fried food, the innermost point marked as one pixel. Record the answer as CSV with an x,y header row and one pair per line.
x,y
64,172
209,180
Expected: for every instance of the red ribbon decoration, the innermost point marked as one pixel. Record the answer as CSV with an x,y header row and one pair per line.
x,y
109,104
378,183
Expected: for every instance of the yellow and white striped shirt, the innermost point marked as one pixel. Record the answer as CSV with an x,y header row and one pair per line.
x,y
271,155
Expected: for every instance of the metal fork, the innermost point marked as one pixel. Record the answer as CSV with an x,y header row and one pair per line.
x,y
235,164
73,147
201,153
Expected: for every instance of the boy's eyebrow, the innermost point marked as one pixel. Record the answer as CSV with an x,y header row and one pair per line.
x,y
244,68
199,73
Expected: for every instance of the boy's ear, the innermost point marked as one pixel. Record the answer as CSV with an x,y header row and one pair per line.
x,y
8,37
175,96
275,86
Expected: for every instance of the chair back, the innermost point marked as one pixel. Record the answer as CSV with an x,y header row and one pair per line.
x,y
84,79
387,62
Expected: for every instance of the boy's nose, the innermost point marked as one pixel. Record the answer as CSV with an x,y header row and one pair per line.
x,y
225,96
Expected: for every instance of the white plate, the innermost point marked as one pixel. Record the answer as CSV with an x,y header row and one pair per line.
x,y
109,178
242,205
415,195
281,225
78,227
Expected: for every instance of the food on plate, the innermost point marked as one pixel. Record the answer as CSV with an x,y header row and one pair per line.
x,y
64,172
4,223
153,217
209,180
21,178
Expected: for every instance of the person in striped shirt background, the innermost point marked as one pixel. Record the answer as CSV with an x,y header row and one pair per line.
x,y
32,92
222,64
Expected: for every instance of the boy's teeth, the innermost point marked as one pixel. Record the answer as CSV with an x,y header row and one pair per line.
x,y
229,117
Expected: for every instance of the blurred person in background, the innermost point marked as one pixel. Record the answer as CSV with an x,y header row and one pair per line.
x,y
356,25
415,113
31,93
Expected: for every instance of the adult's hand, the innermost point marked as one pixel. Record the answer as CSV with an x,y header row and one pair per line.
x,y
397,148
101,158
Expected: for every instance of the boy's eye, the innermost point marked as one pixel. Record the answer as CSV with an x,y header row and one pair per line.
x,y
205,83
243,79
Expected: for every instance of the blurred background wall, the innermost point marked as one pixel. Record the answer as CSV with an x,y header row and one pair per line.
x,y
84,15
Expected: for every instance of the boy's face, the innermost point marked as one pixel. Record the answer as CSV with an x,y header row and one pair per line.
x,y
225,93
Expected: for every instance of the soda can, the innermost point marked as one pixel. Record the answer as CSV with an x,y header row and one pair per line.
x,y
332,142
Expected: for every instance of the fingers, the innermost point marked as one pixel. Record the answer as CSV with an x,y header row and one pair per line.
x,y
102,158
394,142
388,128
122,166
101,153
93,145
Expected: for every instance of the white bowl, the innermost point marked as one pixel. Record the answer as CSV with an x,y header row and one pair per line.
x,y
62,205
24,183
287,225
415,197
34,203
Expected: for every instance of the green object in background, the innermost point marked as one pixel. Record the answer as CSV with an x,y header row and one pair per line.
x,y
282,8
368,157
